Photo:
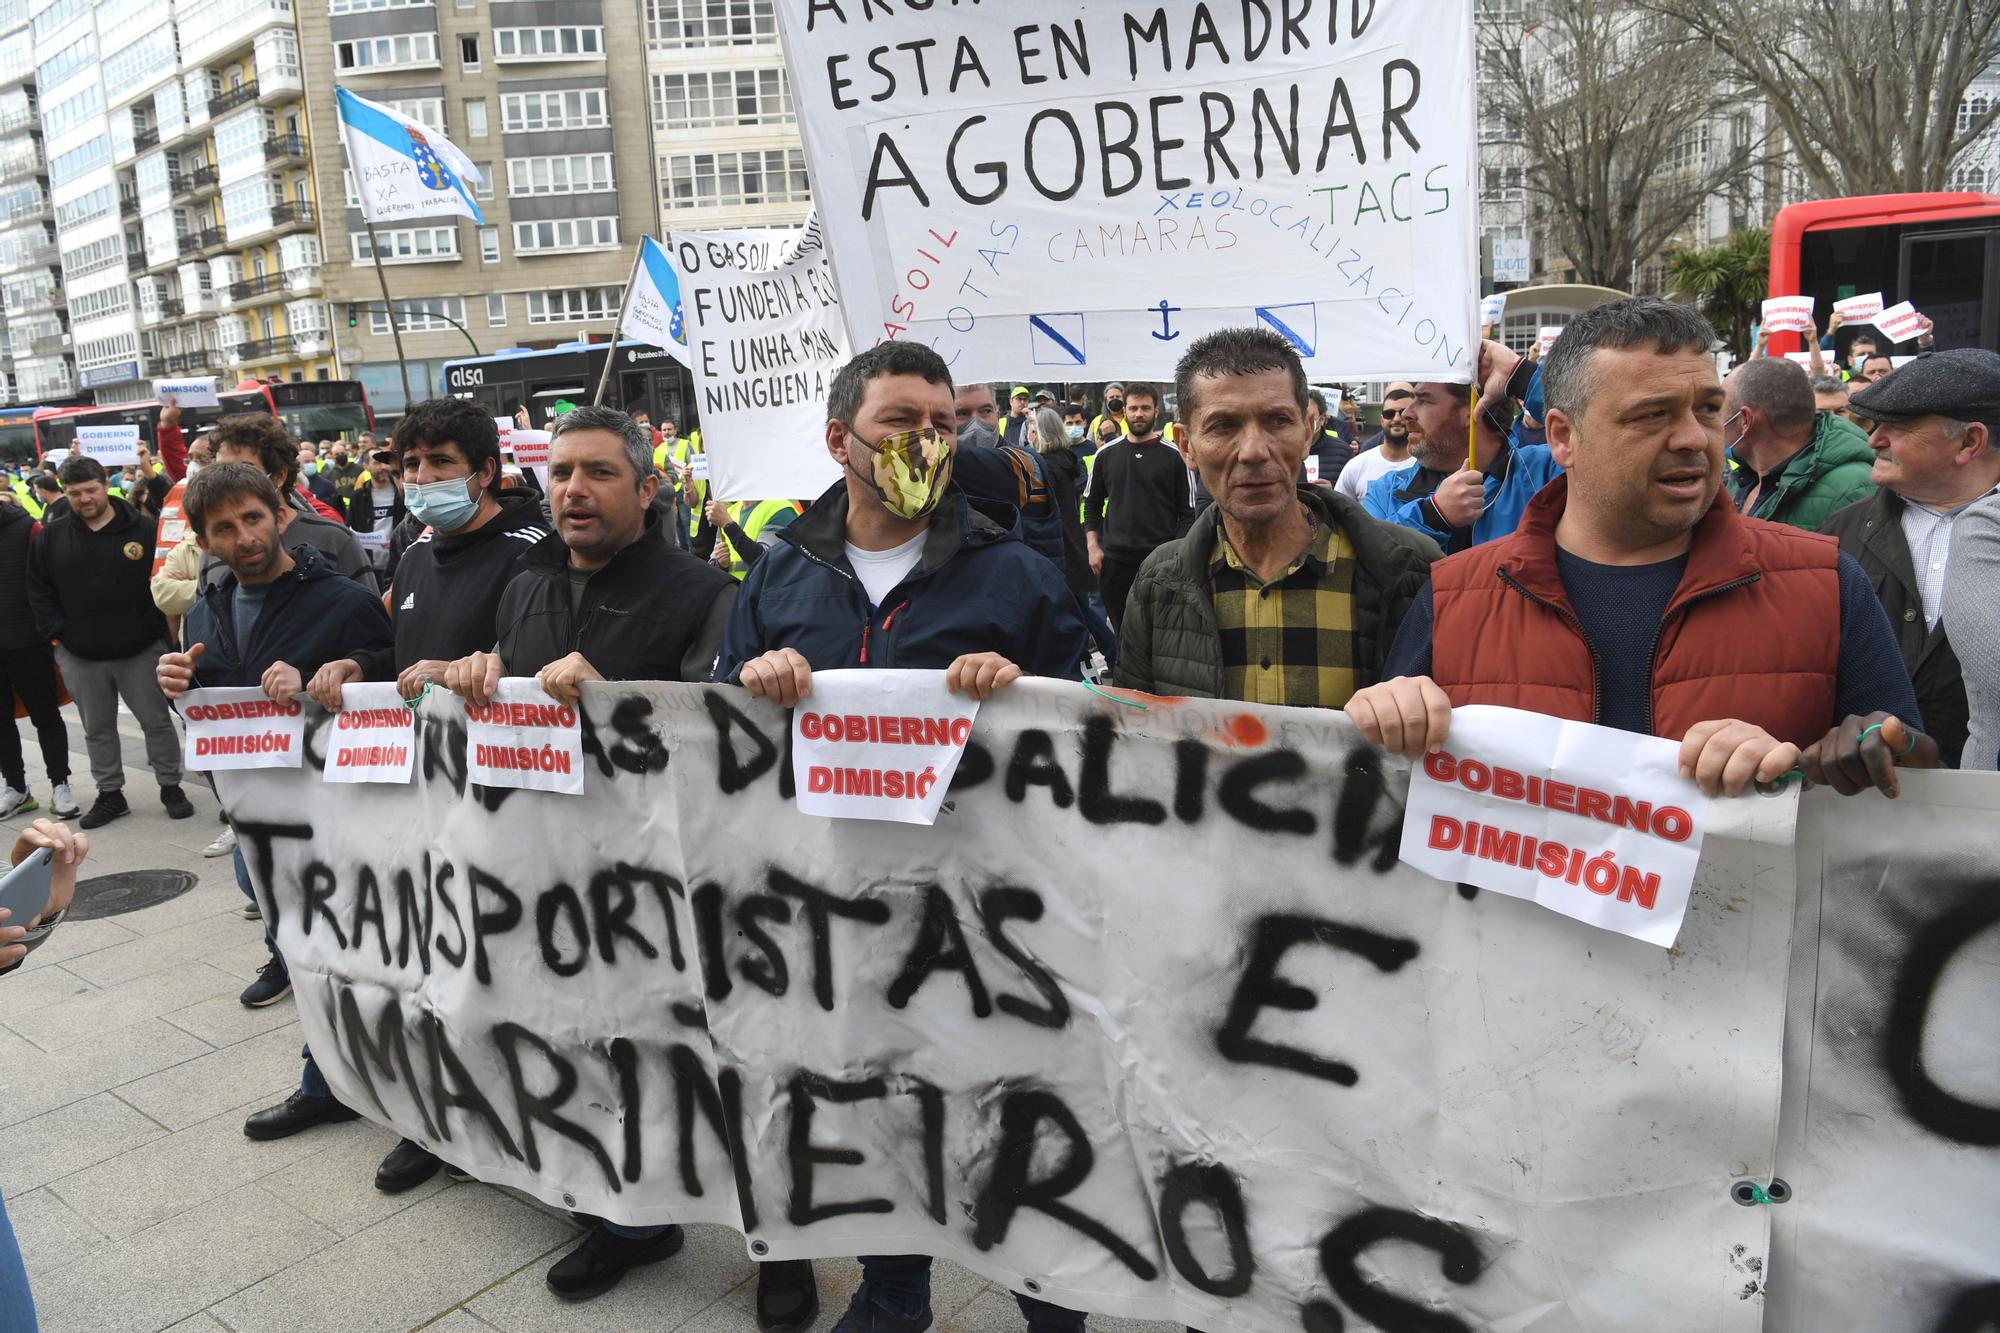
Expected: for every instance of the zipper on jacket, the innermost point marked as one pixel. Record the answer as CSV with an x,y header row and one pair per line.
x,y
888,642
1659,632
1596,662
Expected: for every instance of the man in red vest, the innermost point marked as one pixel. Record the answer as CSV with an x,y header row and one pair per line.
x,y
1634,596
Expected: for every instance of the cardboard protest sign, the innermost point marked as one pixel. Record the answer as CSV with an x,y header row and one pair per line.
x,y
1151,1023
1594,823
878,744
525,739
1859,309
1546,336
764,338
1900,322
1492,309
113,446
1081,191
373,736
198,392
241,728
1788,314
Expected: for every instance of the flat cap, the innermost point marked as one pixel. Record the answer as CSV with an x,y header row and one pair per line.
x,y
1963,383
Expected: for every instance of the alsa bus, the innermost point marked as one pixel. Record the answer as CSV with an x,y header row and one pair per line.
x,y
642,378
1940,252
310,409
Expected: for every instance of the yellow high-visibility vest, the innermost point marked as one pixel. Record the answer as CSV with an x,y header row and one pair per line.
x,y
753,527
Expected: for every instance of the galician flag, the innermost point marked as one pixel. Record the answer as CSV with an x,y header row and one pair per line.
x,y
653,306
403,171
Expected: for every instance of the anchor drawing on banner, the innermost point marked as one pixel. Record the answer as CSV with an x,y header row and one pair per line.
x,y
1167,331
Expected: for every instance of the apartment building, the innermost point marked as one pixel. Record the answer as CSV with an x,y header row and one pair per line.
x,y
34,349
527,88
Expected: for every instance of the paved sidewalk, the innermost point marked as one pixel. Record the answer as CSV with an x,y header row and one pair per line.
x,y
126,1069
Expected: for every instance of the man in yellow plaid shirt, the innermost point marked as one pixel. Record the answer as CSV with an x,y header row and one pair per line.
x,y
1278,594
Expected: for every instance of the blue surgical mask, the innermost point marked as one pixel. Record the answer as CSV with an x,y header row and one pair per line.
x,y
1076,434
444,505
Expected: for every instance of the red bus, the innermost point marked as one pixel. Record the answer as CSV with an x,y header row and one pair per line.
x,y
310,409
1940,252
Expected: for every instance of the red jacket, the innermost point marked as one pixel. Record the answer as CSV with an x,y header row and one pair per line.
x,y
1752,632
173,451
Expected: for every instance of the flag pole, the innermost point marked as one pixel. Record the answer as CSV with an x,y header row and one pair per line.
x,y
402,364
624,304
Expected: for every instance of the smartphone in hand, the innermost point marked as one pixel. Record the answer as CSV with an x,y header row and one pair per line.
x,y
25,890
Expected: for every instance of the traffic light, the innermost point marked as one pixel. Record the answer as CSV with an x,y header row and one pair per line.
x,y
351,320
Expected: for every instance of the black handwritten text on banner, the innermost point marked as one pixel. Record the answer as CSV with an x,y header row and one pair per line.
x,y
1075,192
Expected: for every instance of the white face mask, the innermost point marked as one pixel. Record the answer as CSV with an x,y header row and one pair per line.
x,y
193,468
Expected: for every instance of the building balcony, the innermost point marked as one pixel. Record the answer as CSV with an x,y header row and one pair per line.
x,y
171,308
136,262
146,138
50,344
232,99
128,206
285,148
204,178
20,120
187,363
281,348
269,284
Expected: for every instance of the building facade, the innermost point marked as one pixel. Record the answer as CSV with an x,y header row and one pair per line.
x,y
35,347
526,88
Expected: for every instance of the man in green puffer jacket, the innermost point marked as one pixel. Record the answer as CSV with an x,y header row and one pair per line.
x,y
1788,463
1278,594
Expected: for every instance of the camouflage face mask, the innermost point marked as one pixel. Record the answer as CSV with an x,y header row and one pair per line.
x,y
910,470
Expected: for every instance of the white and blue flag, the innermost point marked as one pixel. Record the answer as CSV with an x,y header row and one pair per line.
x,y
653,306
402,170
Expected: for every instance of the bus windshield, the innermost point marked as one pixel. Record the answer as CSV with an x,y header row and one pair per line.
x,y
17,442
324,421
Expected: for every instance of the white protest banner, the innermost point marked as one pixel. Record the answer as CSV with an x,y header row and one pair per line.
x,y
1801,358
1859,309
1511,263
1898,362
531,449
373,737
505,425
523,738
1900,322
241,728
878,744
1546,336
113,446
698,466
1788,314
1312,468
1889,1148
1492,309
653,311
1150,1023
1594,823
764,340
1080,191
198,392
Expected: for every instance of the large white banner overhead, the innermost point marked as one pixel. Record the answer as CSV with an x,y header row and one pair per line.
x,y
1075,192
764,338
1150,1023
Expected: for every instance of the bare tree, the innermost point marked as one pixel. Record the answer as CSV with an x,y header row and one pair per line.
x,y
1617,111
1867,94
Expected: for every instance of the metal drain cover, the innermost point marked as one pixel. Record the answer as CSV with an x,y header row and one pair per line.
x,y
127,891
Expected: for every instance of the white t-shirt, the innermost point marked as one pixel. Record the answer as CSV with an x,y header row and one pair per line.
x,y
1363,468
881,571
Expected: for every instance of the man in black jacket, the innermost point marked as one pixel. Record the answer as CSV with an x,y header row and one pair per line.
x,y
609,597
441,607
89,582
277,614
260,441
1281,594
27,670
1142,482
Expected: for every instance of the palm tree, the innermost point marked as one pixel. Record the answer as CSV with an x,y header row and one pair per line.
x,y
1726,282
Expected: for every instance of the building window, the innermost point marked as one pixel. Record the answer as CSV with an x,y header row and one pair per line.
x,y
404,50
426,111
548,44
496,309
86,156
96,305
426,314
408,245
574,305
566,234
489,245
475,118
468,53
482,189
707,100
717,180
94,257
581,173
85,208
1971,109
685,23
570,109
363,6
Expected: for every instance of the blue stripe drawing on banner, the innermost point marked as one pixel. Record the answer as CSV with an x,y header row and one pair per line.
x,y
409,141
1299,324
1056,339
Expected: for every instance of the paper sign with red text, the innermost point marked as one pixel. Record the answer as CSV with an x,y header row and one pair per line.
x,y
878,744
373,736
241,728
523,738
1857,309
1591,822
1788,314
1900,322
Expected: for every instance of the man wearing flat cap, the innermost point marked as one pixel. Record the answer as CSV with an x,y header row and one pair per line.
x,y
1937,452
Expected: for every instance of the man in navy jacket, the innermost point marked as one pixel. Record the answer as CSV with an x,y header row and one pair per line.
x,y
894,567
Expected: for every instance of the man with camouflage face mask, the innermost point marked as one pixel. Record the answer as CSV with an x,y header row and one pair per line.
x,y
895,567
